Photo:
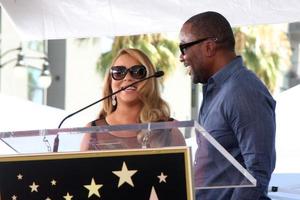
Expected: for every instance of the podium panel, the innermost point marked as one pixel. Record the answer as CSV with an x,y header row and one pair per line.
x,y
122,174
158,136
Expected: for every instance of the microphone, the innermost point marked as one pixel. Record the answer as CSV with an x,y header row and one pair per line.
x,y
56,140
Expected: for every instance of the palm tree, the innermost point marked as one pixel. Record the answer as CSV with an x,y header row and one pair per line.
x,y
161,51
266,51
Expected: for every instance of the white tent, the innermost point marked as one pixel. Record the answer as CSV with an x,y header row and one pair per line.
x,y
55,19
19,114
44,19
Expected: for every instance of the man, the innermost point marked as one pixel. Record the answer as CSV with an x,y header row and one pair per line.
x,y
237,109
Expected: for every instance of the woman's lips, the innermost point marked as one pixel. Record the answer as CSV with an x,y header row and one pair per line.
x,y
131,88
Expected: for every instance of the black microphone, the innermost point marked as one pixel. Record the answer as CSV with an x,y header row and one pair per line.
x,y
56,140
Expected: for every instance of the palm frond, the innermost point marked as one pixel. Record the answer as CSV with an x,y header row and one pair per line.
x,y
259,47
161,51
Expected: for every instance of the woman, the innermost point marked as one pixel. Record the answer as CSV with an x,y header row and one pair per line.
x,y
140,103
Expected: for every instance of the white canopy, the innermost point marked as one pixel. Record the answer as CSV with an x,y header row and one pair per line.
x,y
55,19
19,114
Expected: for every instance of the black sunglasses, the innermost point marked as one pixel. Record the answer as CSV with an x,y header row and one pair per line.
x,y
185,46
136,72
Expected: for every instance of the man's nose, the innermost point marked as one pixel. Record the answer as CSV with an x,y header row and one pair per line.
x,y
181,58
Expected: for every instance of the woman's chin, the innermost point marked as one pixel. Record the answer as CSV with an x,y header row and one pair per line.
x,y
131,101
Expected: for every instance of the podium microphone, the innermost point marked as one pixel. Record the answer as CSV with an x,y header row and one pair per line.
x,y
56,140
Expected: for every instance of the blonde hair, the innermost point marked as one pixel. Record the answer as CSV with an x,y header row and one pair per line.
x,y
154,107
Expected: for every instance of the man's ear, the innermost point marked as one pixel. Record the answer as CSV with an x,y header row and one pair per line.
x,y
210,48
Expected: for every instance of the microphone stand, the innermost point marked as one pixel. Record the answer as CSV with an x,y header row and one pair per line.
x,y
56,140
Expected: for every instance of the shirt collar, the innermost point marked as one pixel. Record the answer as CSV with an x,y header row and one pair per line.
x,y
223,74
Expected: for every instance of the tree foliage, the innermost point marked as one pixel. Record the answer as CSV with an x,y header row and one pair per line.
x,y
161,51
266,50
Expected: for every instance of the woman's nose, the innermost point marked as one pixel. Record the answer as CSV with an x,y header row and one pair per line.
x,y
128,77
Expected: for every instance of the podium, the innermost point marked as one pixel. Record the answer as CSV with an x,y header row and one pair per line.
x,y
147,165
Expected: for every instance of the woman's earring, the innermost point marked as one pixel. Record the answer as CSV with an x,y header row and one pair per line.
x,y
114,101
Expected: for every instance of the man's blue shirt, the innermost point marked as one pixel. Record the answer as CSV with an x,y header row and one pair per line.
x,y
239,112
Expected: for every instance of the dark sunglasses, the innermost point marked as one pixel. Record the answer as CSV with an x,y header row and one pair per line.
x,y
185,46
136,72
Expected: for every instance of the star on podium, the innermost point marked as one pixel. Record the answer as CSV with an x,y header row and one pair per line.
x,y
53,182
162,177
34,187
93,188
153,195
125,175
20,176
68,196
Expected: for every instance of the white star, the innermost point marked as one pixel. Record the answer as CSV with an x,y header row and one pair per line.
x,y
47,198
93,188
20,176
125,175
53,182
162,177
68,196
34,187
153,195
14,197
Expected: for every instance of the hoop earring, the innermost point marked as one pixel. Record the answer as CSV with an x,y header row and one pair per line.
x,y
113,100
